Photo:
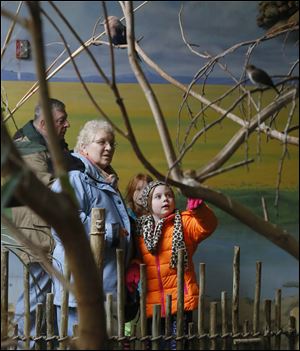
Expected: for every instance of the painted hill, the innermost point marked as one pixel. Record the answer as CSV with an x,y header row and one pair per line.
x,y
124,78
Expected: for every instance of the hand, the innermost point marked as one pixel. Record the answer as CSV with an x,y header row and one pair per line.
x,y
132,277
193,203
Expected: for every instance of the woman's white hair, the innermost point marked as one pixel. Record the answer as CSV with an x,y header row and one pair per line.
x,y
88,132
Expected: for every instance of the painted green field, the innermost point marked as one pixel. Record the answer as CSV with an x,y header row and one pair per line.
x,y
261,174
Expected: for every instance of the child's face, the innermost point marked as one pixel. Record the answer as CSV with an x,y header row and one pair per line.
x,y
163,202
138,192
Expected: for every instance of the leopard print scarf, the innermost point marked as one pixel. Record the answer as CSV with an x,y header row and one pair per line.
x,y
146,228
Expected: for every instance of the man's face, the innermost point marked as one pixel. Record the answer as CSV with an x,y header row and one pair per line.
x,y
61,122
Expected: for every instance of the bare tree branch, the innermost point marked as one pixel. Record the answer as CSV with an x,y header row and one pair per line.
x,y
149,94
54,148
15,18
10,30
272,232
225,169
79,50
239,138
205,101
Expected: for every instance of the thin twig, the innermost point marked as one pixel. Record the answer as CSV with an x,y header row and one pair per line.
x,y
15,18
265,210
285,149
223,170
239,137
111,50
10,30
199,97
66,61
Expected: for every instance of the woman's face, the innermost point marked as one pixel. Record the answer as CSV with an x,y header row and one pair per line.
x,y
163,202
101,149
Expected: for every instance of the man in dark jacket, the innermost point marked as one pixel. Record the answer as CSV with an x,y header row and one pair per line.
x,y
31,142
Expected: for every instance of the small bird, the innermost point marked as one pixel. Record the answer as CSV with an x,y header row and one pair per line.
x,y
260,77
117,30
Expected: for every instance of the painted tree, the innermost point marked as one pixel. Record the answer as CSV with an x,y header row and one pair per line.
x,y
259,119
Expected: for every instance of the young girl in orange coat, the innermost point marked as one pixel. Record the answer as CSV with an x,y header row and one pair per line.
x,y
160,235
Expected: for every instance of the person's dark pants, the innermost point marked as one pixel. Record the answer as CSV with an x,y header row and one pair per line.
x,y
171,344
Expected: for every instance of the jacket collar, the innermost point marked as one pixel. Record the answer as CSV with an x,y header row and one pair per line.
x,y
90,169
33,135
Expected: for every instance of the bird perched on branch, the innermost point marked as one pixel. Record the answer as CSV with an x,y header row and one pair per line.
x,y
260,77
117,30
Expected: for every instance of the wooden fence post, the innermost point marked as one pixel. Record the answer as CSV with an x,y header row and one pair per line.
x,y
180,300
267,330
120,294
38,326
191,336
246,330
292,333
156,327
75,332
132,340
225,333
97,239
168,319
97,235
15,337
26,308
143,316
4,293
50,320
201,305
156,321
235,291
109,315
63,331
213,325
257,299
278,318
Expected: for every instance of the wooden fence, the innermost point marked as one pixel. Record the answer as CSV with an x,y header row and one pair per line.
x,y
212,331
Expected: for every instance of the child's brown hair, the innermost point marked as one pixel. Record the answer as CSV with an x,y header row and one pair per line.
x,y
131,187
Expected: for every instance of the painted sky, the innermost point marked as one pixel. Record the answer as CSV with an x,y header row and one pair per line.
x,y
213,25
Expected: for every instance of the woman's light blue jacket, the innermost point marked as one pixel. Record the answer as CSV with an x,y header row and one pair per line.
x,y
92,191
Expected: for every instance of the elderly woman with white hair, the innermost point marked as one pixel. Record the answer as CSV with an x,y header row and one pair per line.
x,y
95,185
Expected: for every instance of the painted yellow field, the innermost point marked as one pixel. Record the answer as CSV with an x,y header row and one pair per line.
x,y
262,173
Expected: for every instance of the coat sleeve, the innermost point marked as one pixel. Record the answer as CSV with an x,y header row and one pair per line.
x,y
84,202
39,163
201,223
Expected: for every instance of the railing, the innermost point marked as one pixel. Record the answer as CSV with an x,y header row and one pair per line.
x,y
221,331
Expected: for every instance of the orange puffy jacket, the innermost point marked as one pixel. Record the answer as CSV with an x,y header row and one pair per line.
x,y
161,279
